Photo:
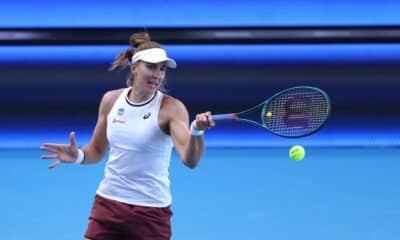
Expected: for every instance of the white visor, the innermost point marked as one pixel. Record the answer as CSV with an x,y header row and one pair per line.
x,y
153,55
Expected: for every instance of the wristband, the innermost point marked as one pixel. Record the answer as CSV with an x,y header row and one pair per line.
x,y
195,132
81,157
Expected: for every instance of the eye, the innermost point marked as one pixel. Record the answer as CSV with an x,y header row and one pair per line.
x,y
151,66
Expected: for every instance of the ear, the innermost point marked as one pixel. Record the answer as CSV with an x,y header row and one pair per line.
x,y
134,68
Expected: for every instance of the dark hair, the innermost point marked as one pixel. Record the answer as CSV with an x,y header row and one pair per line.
x,y
138,41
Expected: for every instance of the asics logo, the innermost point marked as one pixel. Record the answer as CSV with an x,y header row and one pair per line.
x,y
147,115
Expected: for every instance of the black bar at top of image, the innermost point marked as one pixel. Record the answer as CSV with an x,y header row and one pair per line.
x,y
201,35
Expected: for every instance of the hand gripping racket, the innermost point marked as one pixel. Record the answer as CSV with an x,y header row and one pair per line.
x,y
291,113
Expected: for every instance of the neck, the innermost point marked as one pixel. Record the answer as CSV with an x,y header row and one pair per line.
x,y
137,96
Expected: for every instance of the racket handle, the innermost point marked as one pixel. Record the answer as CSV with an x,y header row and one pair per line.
x,y
227,116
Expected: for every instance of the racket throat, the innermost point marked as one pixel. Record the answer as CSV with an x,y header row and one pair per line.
x,y
234,117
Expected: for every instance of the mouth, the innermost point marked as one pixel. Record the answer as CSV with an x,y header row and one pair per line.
x,y
153,83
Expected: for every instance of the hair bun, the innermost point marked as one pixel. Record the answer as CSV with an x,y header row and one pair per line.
x,y
137,39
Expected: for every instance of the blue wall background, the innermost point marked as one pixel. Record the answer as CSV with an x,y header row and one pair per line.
x,y
53,83
198,13
360,78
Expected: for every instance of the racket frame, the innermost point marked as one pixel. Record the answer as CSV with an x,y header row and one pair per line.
x,y
263,105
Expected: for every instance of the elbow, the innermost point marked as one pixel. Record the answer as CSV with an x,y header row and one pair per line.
x,y
191,159
191,164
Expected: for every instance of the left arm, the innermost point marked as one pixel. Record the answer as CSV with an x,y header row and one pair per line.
x,y
190,148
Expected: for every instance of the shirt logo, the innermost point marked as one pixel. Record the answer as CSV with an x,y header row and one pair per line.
x,y
117,121
121,111
147,115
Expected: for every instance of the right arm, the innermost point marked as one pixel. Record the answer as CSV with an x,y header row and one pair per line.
x,y
95,150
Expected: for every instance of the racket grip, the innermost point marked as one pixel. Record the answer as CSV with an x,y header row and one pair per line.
x,y
227,116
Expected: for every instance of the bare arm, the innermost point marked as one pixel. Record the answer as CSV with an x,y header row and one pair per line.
x,y
190,148
94,151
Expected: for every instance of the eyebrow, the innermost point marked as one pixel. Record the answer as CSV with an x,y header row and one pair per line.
x,y
161,64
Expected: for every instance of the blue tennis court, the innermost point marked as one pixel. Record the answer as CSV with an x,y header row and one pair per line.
x,y
237,192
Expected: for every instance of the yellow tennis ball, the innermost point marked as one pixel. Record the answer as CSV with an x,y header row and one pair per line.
x,y
269,114
297,153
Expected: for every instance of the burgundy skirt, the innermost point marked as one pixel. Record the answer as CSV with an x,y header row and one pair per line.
x,y
110,219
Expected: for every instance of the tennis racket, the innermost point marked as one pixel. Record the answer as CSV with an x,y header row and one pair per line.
x,y
291,113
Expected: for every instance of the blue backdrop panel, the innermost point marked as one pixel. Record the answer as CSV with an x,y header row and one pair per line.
x,y
198,13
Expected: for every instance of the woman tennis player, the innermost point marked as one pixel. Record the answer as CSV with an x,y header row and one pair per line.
x,y
140,125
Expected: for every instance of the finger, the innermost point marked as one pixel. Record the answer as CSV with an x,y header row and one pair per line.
x,y
72,139
197,122
48,149
52,145
210,119
55,164
211,122
198,117
202,122
49,156
206,120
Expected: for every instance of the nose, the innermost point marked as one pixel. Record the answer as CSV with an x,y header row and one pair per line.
x,y
157,73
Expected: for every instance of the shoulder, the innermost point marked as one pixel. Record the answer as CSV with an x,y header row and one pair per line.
x,y
173,109
172,104
112,95
109,99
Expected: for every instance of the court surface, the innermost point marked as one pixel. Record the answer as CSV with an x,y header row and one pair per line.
x,y
235,193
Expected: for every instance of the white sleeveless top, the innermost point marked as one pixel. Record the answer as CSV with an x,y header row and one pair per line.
x,y
137,169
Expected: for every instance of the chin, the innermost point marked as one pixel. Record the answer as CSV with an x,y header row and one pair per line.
x,y
151,91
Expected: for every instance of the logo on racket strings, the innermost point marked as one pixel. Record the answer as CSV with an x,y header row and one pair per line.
x,y
296,111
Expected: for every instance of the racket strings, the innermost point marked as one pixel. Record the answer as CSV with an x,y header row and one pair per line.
x,y
297,112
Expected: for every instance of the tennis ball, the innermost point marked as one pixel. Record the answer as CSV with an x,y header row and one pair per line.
x,y
297,153
269,114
